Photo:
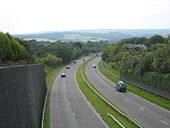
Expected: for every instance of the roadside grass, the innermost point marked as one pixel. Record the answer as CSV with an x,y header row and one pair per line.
x,y
109,66
51,74
100,106
158,100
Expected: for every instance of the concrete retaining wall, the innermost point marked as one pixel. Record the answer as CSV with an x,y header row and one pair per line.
x,y
22,95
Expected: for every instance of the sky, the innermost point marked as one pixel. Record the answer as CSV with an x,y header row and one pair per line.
x,y
29,16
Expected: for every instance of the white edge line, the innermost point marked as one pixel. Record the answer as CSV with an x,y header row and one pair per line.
x,y
44,107
164,122
115,120
52,86
97,114
141,109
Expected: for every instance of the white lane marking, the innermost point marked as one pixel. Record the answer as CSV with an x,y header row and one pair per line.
x,y
164,122
127,99
74,114
141,109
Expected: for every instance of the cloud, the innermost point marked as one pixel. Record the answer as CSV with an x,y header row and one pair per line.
x,y
23,16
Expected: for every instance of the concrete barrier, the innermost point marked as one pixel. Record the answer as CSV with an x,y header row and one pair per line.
x,y
22,95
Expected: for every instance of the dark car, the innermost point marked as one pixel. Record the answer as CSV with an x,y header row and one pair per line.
x,y
63,75
120,86
75,61
67,67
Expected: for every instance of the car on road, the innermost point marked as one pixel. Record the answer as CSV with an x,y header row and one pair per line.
x,y
120,86
75,61
67,67
63,75
94,65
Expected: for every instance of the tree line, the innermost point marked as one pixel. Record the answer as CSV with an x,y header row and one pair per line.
x,y
143,59
15,50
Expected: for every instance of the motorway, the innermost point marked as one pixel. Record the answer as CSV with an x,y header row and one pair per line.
x,y
143,111
69,107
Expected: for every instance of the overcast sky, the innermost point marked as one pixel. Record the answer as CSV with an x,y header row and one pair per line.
x,y
26,16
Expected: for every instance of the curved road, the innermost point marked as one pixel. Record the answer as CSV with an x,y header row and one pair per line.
x,y
148,114
69,107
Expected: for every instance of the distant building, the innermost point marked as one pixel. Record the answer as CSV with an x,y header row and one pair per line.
x,y
136,45
141,46
131,45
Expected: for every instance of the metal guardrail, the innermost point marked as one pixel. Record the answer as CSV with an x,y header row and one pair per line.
x,y
115,120
106,101
105,67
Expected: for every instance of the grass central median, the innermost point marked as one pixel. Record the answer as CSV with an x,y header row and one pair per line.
x,y
99,104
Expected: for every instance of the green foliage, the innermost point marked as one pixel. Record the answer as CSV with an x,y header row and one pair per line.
x,y
66,51
28,54
77,52
148,63
50,60
106,52
155,39
14,51
10,48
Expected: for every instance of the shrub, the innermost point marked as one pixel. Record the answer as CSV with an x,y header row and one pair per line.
x,y
52,60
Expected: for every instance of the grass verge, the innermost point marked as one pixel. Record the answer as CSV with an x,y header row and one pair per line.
x,y
50,78
158,100
100,106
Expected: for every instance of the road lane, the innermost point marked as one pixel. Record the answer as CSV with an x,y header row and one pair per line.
x,y
69,108
143,111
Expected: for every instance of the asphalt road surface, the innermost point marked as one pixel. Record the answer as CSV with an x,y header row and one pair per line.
x,y
69,107
145,112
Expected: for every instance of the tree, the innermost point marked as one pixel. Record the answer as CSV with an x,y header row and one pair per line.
x,y
52,60
155,39
150,66
10,48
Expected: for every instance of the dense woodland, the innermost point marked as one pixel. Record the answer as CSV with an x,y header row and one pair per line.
x,y
143,59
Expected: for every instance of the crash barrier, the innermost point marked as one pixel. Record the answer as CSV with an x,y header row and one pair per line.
x,y
22,95
106,101
141,86
115,120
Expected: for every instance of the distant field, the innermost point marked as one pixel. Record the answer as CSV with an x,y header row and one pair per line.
x,y
39,39
81,37
112,35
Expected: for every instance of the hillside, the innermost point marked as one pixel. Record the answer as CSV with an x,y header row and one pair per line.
x,y
146,60
110,35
